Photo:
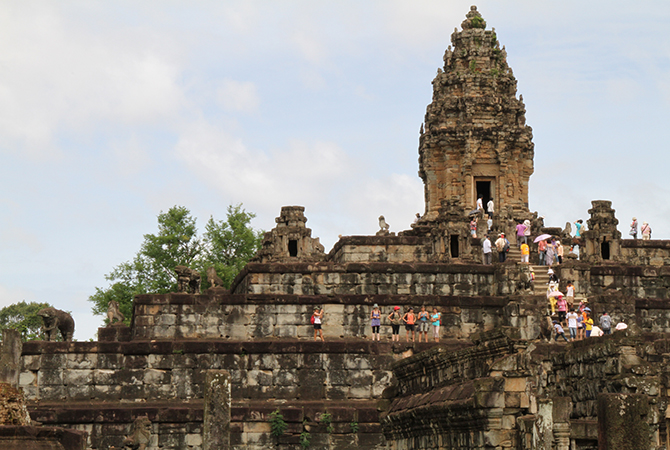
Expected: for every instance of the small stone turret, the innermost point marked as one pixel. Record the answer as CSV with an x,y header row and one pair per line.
x,y
475,140
290,240
602,240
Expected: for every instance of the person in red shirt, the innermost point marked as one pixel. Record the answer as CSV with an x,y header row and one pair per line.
x,y
542,250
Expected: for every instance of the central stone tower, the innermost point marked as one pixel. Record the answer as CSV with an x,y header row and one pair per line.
x,y
475,140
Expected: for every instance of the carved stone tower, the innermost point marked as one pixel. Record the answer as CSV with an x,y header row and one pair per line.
x,y
290,240
475,140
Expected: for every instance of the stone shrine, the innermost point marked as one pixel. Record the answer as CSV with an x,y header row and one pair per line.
x,y
239,369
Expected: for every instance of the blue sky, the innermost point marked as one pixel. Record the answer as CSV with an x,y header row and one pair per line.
x,y
115,111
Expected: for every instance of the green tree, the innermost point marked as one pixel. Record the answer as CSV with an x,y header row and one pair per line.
x,y
23,317
227,245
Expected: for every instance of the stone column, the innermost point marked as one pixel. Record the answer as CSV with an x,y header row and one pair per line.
x,y
10,357
216,430
561,417
623,422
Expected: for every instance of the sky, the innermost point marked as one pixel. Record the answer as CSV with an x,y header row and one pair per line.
x,y
111,112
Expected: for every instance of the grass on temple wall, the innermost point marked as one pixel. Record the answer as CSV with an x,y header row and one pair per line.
x,y
354,427
473,65
304,439
477,22
327,420
278,425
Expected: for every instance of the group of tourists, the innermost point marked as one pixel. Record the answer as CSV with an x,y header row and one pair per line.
x,y
577,319
414,323
645,230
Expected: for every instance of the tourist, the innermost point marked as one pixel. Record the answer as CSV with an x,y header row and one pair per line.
x,y
646,231
502,245
436,324
423,324
480,205
490,208
473,227
559,252
570,293
526,233
549,253
417,218
562,307
525,253
605,323
396,319
572,323
551,298
489,223
542,251
553,278
621,326
520,234
559,331
588,322
317,317
633,228
596,331
376,321
409,318
578,228
486,249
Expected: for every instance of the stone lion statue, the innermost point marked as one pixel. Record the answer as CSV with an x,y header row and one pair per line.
x,y
188,280
213,278
114,314
55,320
383,226
140,434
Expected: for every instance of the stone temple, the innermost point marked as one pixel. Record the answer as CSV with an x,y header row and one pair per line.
x,y
213,370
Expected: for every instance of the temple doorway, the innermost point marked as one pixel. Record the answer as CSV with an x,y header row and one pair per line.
x,y
483,188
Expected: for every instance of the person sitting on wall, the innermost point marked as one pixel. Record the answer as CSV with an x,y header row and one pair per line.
x,y
409,318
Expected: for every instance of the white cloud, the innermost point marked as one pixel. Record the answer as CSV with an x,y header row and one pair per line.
x,y
56,78
238,96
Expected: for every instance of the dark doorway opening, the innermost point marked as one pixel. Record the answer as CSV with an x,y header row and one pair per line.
x,y
453,245
484,190
605,250
292,248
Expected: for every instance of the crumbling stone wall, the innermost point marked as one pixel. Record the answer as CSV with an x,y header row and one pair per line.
x,y
248,317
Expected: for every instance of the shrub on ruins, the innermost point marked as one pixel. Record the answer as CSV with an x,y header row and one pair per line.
x,y
227,245
23,317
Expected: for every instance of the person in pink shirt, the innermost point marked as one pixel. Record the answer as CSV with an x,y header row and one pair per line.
x,y
542,250
562,306
521,234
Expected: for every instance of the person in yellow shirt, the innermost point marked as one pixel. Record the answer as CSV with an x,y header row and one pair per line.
x,y
589,324
525,251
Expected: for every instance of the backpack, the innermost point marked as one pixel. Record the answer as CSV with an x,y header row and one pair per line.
x,y
606,322
312,320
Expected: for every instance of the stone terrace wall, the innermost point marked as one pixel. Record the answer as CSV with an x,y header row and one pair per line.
x,y
381,249
327,278
611,364
633,281
249,317
644,253
100,387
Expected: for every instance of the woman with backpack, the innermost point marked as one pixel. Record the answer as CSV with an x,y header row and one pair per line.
x,y
396,319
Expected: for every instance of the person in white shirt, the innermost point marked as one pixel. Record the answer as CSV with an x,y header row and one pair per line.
x,y
572,323
486,248
490,208
480,205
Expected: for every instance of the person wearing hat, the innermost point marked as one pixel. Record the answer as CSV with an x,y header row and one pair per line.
x,y
633,228
396,319
435,317
409,318
502,245
376,319
646,231
317,316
